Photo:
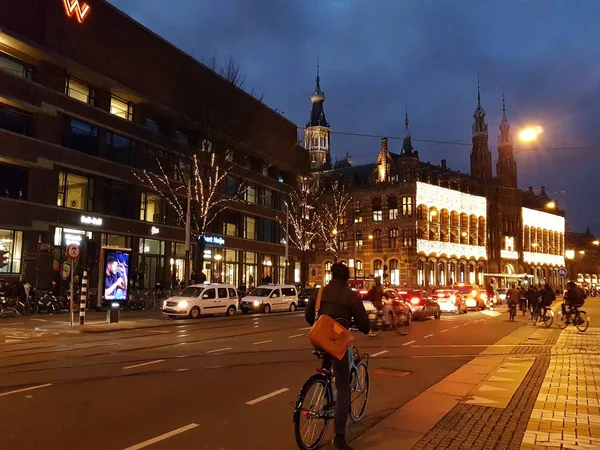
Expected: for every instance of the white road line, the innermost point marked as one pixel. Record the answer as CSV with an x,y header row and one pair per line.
x,y
408,343
465,324
379,353
304,329
143,364
157,331
428,336
162,437
265,397
457,326
39,320
25,389
295,335
262,342
443,331
219,350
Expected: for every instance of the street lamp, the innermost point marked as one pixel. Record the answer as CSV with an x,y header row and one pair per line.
x,y
551,205
218,258
596,242
530,134
582,252
370,237
334,231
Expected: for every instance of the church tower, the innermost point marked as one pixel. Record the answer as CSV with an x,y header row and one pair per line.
x,y
481,157
317,132
506,167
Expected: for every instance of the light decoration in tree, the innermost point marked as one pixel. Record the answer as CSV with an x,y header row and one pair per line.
x,y
335,219
302,206
444,198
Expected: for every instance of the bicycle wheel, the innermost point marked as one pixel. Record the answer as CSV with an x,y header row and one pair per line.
x,y
8,312
534,318
562,320
582,321
548,317
312,412
359,391
402,322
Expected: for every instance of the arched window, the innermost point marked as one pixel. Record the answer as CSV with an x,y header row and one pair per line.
x,y
377,210
420,272
378,268
442,276
472,279
481,232
462,272
393,207
327,272
431,273
377,241
480,274
394,272
452,272
394,238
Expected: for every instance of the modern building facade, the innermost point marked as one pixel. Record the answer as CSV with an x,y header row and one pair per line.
x,y
84,108
419,224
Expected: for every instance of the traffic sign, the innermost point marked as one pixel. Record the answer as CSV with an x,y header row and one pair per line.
x,y
73,251
562,272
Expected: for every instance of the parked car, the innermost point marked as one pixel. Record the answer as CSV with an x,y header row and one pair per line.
x,y
501,295
423,305
303,297
270,297
200,299
475,298
451,300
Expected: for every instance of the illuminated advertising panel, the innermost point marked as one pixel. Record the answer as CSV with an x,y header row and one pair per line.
x,y
116,275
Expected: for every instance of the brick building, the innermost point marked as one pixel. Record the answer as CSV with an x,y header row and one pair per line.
x,y
87,97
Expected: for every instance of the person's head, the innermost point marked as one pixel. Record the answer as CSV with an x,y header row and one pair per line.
x,y
340,272
546,286
53,283
571,285
377,281
111,264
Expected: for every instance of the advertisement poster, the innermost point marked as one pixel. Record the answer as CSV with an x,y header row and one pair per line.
x,y
116,275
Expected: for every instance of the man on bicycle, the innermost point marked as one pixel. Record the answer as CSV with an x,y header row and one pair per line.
x,y
574,298
532,296
338,301
513,297
376,295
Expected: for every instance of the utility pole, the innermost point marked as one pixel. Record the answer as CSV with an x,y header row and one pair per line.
x,y
188,232
354,219
287,243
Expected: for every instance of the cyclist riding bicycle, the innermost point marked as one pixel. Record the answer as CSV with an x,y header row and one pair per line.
x,y
513,297
338,301
574,298
376,295
532,296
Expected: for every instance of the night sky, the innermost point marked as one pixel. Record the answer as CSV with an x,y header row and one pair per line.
x,y
378,55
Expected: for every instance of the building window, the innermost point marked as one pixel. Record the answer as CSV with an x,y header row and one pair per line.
x,y
229,229
249,227
394,238
181,137
327,272
151,208
11,241
250,194
152,125
74,191
79,90
267,198
408,238
343,242
420,273
377,240
120,149
121,108
377,210
118,198
393,208
14,120
394,272
15,67
407,206
359,240
378,269
82,137
452,272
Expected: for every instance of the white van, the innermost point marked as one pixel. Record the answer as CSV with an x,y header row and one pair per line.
x,y
198,299
270,297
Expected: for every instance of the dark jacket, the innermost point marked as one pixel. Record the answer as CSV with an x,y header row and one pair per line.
x,y
338,301
548,297
532,295
575,296
376,295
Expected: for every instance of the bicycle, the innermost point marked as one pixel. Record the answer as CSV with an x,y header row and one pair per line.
x,y
400,320
316,401
581,320
512,310
542,314
6,308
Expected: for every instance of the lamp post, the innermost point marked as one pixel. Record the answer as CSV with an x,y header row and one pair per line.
x,y
218,258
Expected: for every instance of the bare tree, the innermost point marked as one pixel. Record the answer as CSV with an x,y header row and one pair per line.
x,y
302,205
335,220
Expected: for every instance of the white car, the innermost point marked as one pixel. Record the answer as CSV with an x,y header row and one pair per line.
x,y
198,299
270,297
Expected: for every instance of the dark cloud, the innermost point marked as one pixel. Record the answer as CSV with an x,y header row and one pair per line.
x,y
377,55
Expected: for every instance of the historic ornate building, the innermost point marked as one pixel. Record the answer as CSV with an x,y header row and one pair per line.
x,y
415,223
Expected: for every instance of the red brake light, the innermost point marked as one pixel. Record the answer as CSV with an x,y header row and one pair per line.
x,y
415,300
440,295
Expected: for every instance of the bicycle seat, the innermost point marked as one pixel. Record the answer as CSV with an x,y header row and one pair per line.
x,y
320,354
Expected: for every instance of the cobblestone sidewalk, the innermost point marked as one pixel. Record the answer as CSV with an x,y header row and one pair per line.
x,y
566,413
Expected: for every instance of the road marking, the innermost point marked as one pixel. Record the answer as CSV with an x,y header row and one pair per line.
x,y
265,397
39,320
443,331
408,343
143,364
304,329
465,324
162,437
159,331
295,336
457,326
428,336
263,342
25,389
219,350
379,353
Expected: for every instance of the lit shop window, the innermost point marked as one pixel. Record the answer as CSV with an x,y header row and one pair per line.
x,y
74,191
121,108
11,241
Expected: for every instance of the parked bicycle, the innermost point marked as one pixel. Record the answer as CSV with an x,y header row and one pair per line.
x,y
315,406
7,308
574,315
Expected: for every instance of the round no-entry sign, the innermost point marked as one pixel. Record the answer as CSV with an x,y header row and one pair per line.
x,y
562,272
73,251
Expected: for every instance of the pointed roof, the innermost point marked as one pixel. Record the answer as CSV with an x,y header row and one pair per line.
x,y
407,147
317,114
505,137
479,115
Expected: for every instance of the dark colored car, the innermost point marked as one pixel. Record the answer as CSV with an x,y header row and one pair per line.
x,y
303,297
423,305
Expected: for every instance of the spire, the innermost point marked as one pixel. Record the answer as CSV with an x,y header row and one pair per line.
x,y
407,148
505,137
478,92
479,115
317,115
319,95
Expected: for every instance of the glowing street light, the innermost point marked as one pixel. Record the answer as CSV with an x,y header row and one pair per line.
x,y
334,231
596,243
551,205
530,133
370,237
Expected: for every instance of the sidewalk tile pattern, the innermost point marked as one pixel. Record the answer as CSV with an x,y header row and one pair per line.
x,y
567,410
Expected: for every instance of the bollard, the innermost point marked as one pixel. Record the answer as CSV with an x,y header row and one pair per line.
x,y
83,298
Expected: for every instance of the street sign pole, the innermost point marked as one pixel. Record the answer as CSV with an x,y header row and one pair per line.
x,y
73,253
72,291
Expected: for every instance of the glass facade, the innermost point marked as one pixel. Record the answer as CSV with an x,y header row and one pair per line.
x,y
151,208
11,241
74,191
249,269
150,263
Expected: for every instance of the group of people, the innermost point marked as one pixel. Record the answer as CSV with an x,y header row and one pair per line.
x,y
534,299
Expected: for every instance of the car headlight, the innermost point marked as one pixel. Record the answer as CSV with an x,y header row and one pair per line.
x,y
257,302
183,304
164,304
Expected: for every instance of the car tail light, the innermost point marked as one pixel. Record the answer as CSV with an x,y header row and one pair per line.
x,y
415,300
363,291
440,295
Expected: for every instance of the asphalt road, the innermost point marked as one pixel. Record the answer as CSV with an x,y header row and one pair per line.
x,y
214,383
